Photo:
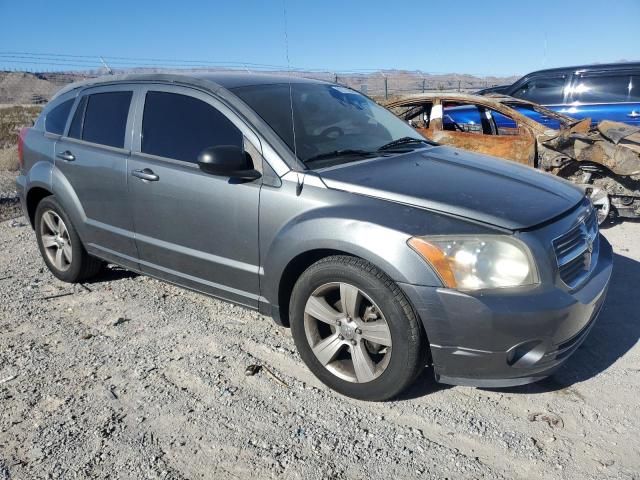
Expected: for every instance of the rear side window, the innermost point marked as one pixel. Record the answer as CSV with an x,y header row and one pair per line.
x,y
102,118
545,91
56,119
180,127
607,89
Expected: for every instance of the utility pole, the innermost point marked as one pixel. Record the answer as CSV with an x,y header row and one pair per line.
x,y
386,89
423,85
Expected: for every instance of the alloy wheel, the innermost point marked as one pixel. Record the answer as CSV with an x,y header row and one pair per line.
x,y
347,332
55,240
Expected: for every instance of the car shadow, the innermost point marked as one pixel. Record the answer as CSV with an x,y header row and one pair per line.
x,y
111,273
424,385
615,332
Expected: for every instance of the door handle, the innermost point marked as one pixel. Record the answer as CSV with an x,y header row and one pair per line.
x,y
633,114
146,174
67,156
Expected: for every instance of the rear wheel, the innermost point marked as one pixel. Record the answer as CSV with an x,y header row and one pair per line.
x,y
355,329
60,245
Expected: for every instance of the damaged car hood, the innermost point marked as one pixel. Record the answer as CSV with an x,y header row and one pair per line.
x,y
614,145
460,183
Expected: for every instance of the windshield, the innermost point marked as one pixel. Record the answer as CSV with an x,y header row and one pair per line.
x,y
330,121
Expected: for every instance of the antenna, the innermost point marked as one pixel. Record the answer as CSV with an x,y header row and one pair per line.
x,y
109,71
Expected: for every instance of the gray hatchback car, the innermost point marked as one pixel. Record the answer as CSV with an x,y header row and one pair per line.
x,y
307,201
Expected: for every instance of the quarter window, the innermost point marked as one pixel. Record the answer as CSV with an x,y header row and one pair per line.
x,y
75,130
180,127
56,119
102,118
545,91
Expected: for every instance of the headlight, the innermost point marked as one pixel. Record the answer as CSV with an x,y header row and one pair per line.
x,y
474,262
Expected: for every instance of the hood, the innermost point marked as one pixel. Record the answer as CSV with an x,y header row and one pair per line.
x,y
444,179
613,145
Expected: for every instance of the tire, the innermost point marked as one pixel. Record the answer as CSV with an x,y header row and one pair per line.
x,y
62,238
338,333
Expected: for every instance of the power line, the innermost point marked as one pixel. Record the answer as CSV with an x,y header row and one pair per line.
x,y
124,61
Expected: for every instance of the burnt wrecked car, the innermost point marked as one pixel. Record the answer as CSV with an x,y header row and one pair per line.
x,y
604,158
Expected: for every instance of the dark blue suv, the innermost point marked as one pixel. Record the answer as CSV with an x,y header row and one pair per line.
x,y
600,92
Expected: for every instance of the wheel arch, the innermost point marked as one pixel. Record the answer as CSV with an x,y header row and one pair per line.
x,y
301,262
33,199
292,271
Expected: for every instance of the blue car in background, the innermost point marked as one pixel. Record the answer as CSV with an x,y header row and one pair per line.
x,y
600,92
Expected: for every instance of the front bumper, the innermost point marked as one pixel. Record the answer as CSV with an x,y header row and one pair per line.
x,y
512,337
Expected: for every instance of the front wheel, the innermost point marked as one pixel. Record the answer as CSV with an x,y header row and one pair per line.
x,y
355,329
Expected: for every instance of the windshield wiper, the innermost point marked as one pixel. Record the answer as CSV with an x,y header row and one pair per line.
x,y
339,153
403,141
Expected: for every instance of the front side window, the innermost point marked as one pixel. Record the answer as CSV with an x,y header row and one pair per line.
x,y
180,127
461,117
102,118
605,89
545,91
479,119
56,119
325,120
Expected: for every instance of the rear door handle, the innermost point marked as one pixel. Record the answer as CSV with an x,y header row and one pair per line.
x,y
633,114
67,156
146,174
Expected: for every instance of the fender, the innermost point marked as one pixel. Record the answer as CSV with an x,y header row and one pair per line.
x,y
353,233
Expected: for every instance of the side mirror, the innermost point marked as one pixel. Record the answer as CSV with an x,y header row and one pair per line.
x,y
227,161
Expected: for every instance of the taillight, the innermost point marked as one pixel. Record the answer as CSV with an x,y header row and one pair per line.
x,y
21,137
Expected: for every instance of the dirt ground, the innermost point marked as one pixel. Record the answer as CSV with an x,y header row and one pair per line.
x,y
128,377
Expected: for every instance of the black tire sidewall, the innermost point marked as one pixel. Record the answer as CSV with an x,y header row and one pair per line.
x,y
78,254
407,341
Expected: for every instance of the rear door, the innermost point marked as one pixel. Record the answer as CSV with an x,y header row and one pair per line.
x,y
606,96
93,157
193,228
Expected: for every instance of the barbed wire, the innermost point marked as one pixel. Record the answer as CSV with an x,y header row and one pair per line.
x,y
61,59
51,71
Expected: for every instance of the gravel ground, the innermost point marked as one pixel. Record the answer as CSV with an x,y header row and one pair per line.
x,y
128,377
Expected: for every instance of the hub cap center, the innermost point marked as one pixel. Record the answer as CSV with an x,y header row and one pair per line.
x,y
347,330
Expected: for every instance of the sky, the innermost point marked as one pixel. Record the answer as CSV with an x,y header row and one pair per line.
x,y
481,38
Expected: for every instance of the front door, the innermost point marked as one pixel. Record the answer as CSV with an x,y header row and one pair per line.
x,y
193,228
93,157
473,127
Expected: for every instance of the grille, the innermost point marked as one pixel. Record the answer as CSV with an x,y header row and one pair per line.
x,y
577,250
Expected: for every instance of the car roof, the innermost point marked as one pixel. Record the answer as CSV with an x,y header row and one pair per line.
x,y
210,80
591,67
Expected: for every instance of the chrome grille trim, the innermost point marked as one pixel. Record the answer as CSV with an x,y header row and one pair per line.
x,y
577,250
